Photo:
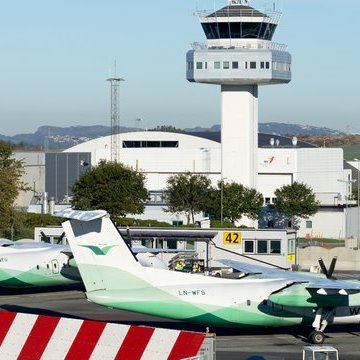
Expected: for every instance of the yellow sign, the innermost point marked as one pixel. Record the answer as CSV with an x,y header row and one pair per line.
x,y
291,257
232,238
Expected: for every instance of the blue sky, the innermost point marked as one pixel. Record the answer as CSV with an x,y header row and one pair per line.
x,y
57,54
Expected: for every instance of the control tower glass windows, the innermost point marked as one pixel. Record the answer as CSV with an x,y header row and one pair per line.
x,y
238,30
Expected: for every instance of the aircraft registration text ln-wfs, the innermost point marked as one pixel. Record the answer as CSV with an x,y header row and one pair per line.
x,y
265,297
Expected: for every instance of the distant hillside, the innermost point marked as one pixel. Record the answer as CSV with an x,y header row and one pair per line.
x,y
64,137
295,129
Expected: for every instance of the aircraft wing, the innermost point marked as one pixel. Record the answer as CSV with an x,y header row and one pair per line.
x,y
314,282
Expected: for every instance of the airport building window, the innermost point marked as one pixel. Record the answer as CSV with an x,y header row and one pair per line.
x,y
217,65
156,198
267,201
275,246
205,65
309,224
226,65
235,65
262,65
273,200
291,246
249,246
149,144
252,65
171,244
199,65
267,64
262,246
177,223
246,65
190,245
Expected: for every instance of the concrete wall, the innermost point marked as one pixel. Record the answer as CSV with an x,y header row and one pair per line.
x,y
347,259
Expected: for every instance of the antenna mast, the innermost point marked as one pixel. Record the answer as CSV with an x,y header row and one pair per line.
x,y
115,116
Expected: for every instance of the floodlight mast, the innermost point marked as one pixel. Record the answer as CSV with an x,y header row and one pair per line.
x,y
115,118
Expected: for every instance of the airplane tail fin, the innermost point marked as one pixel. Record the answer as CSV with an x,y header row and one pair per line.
x,y
98,248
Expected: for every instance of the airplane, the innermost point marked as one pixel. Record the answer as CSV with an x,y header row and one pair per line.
x,y
264,297
37,264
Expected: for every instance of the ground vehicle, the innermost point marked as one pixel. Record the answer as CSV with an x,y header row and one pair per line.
x,y
320,353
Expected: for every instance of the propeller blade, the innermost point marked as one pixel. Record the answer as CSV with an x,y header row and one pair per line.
x,y
332,266
323,267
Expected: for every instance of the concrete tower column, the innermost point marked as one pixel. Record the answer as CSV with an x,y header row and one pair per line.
x,y
239,134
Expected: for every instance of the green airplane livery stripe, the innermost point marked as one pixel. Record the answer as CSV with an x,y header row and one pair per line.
x,y
97,250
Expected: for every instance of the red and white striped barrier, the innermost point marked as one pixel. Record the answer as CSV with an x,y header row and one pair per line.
x,y
31,337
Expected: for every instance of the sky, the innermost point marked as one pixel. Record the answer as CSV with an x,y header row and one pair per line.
x,y
57,54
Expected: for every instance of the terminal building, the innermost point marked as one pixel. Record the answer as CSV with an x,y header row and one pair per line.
x,y
159,155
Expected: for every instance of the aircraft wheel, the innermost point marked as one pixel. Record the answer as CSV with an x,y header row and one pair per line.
x,y
317,337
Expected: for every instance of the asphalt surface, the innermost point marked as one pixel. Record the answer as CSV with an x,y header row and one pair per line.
x,y
272,344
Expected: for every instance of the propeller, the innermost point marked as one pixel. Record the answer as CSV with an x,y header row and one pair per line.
x,y
328,272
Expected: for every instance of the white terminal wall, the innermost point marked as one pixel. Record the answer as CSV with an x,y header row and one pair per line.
x,y
320,168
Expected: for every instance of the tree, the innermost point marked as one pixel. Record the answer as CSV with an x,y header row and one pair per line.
x,y
234,200
189,193
110,186
296,201
11,172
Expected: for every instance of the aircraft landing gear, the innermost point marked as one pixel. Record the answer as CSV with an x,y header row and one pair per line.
x,y
321,320
316,337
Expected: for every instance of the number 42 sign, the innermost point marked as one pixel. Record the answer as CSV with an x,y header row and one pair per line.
x,y
232,238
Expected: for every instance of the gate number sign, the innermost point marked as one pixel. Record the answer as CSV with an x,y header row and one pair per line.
x,y
232,238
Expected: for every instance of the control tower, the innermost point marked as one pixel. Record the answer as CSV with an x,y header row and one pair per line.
x,y
239,55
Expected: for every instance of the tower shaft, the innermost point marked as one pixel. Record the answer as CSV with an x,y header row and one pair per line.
x,y
239,134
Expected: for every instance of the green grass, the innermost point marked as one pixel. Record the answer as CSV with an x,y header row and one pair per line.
x,y
351,152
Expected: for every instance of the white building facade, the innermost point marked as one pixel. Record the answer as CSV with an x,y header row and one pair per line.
x,y
159,155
